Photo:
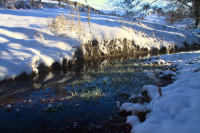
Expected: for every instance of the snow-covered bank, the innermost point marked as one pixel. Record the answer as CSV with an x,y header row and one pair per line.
x,y
177,110
26,41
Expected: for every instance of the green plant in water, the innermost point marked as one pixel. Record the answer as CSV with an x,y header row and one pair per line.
x,y
87,94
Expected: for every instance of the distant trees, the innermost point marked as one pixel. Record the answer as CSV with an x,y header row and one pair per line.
x,y
191,8
15,4
158,10
59,2
127,5
146,7
132,7
175,10
196,5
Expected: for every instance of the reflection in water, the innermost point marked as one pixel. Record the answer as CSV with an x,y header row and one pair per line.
x,y
104,61
58,77
50,87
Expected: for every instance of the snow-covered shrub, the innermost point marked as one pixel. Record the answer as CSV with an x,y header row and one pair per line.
x,y
22,4
37,5
1,4
49,5
13,4
9,4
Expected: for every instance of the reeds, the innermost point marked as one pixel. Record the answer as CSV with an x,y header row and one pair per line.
x,y
88,18
63,23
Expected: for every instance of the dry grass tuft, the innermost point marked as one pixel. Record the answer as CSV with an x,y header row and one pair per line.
x,y
58,24
61,23
88,17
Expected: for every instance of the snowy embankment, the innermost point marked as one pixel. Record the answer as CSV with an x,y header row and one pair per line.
x,y
177,110
26,41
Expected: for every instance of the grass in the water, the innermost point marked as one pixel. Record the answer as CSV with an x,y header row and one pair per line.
x,y
87,94
119,77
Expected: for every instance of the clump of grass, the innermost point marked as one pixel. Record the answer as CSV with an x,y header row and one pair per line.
x,y
144,98
141,113
58,24
53,108
92,94
63,23
87,94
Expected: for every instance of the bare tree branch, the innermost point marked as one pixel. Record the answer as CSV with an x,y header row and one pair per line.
x,y
144,9
191,31
185,4
124,5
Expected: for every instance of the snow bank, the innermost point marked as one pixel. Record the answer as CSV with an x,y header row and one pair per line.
x,y
178,108
26,41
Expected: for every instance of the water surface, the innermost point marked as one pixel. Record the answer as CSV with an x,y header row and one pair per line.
x,y
95,114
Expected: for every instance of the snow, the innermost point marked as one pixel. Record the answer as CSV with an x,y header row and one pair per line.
x,y
118,104
177,110
129,107
26,41
169,72
103,7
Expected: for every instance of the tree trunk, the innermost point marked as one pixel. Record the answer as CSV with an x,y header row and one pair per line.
x,y
59,3
196,12
32,3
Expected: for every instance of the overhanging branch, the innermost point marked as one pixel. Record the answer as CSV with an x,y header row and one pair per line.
x,y
185,4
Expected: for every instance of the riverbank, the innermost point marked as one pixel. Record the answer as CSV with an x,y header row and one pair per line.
x,y
27,42
89,103
176,108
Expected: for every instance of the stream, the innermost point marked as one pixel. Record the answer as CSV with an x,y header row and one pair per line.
x,y
80,99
